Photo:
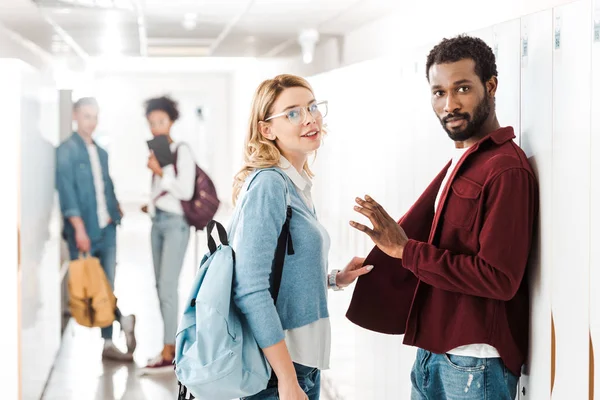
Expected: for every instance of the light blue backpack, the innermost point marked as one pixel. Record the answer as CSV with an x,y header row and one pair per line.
x,y
217,357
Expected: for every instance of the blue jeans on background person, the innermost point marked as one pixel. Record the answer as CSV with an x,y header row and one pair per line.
x,y
105,249
309,380
170,236
448,376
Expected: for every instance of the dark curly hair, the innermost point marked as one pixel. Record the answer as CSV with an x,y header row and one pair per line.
x,y
465,47
163,103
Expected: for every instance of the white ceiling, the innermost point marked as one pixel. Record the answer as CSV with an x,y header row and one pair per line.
x,y
224,28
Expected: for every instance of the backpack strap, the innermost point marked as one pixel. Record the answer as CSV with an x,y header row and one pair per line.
x,y
183,392
212,246
285,237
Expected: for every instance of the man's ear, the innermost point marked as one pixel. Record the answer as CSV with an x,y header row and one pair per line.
x,y
265,129
491,86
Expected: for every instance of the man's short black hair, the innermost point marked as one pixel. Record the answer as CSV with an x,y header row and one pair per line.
x,y
465,47
163,103
85,101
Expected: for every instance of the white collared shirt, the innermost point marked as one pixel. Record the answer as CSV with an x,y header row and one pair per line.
x,y
308,345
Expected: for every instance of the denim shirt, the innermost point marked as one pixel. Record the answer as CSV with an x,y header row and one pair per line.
x,y
75,185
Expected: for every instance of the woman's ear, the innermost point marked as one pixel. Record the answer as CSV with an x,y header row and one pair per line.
x,y
265,129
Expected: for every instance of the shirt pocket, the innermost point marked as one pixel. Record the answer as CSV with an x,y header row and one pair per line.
x,y
463,203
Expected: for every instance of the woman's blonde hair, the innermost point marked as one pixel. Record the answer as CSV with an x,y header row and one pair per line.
x,y
260,152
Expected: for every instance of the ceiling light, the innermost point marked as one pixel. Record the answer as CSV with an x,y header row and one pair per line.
x,y
308,39
112,18
56,47
111,43
189,24
190,21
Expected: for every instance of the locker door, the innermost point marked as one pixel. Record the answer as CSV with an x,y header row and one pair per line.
x,y
595,207
536,141
504,41
571,199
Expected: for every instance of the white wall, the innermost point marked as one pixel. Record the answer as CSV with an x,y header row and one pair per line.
x,y
385,140
29,113
33,126
9,287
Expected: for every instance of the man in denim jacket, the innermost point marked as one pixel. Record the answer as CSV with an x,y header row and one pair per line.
x,y
90,209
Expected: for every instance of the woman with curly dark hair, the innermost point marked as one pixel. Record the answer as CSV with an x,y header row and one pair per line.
x,y
170,231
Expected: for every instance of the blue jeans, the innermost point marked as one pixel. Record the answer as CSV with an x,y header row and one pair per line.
x,y
447,376
309,379
170,237
105,249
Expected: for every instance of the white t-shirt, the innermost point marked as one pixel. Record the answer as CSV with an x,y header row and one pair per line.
x,y
103,215
479,350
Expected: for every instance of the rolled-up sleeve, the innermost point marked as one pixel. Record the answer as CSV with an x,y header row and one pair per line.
x,y
65,184
261,219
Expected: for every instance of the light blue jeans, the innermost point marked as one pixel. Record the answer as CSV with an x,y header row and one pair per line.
x,y
105,249
309,380
447,376
170,237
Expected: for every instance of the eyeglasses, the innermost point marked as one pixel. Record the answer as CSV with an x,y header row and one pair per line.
x,y
298,115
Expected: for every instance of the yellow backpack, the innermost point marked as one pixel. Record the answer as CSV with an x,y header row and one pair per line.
x,y
91,299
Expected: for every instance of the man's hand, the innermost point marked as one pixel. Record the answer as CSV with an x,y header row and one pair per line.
x,y
153,165
144,209
386,233
353,270
83,241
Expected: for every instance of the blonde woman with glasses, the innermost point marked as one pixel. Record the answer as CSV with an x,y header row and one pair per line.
x,y
285,128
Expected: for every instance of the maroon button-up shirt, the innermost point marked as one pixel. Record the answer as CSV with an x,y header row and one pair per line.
x,y
461,279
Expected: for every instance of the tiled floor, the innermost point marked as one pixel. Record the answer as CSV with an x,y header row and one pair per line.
x,y
80,374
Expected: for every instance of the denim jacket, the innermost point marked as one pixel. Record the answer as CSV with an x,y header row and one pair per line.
x,y
75,185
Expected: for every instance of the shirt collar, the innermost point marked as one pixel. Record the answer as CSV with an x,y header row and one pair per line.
x,y
79,140
302,181
499,136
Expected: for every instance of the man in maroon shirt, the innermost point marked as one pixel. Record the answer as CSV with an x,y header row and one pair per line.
x,y
449,274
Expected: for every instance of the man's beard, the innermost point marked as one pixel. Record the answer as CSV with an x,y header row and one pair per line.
x,y
482,112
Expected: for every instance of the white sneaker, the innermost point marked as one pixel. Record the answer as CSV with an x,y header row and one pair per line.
x,y
111,352
128,328
158,365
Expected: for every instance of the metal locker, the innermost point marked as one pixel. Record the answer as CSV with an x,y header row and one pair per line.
x,y
536,141
595,206
504,41
571,199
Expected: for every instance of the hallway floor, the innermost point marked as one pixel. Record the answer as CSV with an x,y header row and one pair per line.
x,y
80,373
